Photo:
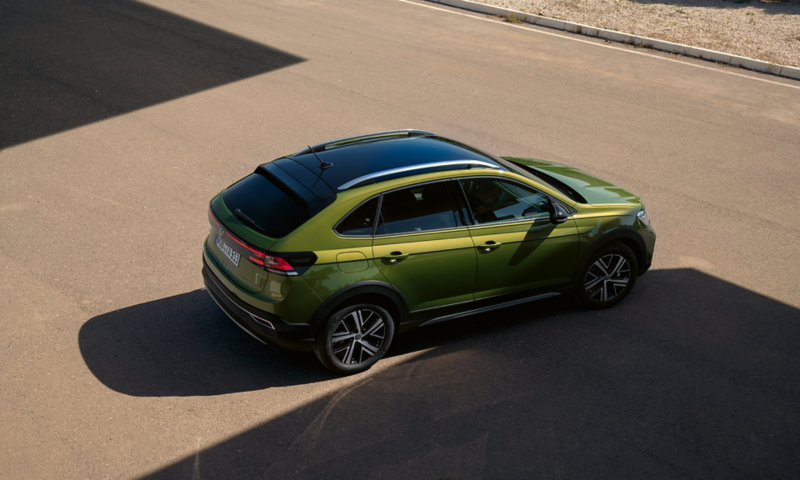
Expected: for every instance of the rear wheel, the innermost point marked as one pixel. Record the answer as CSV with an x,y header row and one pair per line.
x,y
354,338
608,276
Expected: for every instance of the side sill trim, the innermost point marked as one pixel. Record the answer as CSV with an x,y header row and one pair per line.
x,y
489,308
442,306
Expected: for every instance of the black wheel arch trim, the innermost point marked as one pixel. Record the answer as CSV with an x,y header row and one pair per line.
x,y
609,237
374,287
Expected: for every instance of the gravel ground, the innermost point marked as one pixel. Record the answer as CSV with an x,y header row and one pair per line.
x,y
761,29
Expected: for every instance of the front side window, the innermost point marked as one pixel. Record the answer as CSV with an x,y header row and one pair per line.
x,y
492,201
417,209
359,222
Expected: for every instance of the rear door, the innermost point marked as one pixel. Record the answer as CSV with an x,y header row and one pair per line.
x,y
518,247
422,246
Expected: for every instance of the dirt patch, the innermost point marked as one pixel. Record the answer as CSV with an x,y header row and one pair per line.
x,y
761,29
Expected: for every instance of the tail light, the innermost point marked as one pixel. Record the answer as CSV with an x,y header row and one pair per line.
x,y
286,264
260,257
213,218
277,263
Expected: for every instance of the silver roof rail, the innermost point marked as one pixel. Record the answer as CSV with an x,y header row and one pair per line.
x,y
449,163
407,132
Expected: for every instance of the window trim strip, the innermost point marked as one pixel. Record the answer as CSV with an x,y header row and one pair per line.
x,y
422,166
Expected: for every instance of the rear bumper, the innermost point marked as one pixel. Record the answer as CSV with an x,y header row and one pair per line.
x,y
283,334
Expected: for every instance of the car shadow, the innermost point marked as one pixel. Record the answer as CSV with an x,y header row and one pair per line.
x,y
68,63
689,377
186,346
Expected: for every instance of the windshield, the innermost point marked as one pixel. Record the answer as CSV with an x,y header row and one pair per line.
x,y
544,179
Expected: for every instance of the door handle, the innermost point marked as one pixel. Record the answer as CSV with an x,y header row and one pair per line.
x,y
489,246
394,257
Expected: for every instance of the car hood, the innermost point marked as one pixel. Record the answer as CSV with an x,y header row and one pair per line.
x,y
592,188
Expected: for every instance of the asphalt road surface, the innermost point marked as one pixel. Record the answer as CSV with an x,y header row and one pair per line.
x,y
119,121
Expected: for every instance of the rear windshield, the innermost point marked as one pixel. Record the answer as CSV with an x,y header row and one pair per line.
x,y
266,206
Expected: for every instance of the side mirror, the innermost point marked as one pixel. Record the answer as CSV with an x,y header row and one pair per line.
x,y
558,214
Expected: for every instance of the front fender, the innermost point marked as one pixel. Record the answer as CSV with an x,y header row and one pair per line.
x,y
627,236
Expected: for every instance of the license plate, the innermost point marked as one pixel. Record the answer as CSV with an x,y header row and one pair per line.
x,y
232,255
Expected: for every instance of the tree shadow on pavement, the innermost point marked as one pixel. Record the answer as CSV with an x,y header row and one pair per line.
x,y
68,63
186,346
691,376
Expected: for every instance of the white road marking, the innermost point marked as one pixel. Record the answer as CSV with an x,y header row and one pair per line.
x,y
542,31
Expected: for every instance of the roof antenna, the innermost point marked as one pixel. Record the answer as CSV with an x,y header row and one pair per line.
x,y
322,165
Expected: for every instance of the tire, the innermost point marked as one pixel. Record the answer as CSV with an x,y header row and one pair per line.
x,y
608,276
354,338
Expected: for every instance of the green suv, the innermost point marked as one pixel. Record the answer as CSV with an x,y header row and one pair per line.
x,y
340,246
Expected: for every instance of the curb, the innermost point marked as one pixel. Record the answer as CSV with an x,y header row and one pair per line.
x,y
714,56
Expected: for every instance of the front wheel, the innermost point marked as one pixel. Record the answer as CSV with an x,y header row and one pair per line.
x,y
354,338
608,276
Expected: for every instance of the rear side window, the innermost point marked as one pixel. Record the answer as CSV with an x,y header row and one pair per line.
x,y
270,205
493,201
417,209
360,221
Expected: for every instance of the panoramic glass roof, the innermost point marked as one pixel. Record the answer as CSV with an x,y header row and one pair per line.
x,y
358,159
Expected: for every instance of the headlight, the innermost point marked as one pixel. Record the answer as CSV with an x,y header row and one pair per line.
x,y
643,216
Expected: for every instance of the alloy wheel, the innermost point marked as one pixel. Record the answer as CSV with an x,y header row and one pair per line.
x,y
357,336
607,278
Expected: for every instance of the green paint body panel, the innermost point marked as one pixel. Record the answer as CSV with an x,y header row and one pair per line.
x,y
439,270
595,190
442,267
302,301
531,255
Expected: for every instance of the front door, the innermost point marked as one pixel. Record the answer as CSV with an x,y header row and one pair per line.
x,y
518,247
423,248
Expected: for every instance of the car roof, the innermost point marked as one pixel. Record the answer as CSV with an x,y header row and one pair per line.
x,y
380,156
